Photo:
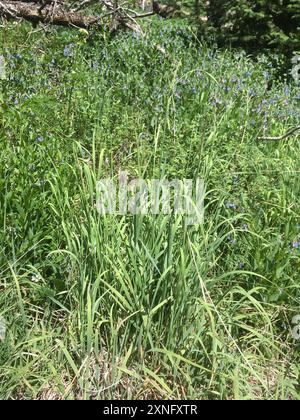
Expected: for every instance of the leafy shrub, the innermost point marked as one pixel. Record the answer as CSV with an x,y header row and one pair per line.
x,y
257,24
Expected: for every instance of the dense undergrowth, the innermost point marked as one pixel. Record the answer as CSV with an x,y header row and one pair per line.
x,y
140,306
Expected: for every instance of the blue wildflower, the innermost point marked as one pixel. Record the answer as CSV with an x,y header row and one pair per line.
x,y
235,179
181,81
231,206
199,74
95,65
252,93
215,101
231,240
136,35
286,90
41,183
68,50
52,63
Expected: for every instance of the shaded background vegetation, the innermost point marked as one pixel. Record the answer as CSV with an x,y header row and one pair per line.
x,y
252,24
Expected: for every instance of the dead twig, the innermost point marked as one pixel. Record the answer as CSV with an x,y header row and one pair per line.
x,y
284,136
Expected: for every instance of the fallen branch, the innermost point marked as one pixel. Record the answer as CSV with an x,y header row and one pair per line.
x,y
33,13
58,12
286,135
60,15
5,11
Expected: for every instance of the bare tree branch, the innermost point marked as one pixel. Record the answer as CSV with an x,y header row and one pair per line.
x,y
284,136
32,12
64,13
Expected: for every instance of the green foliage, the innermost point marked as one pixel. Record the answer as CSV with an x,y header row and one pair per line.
x,y
140,306
257,24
